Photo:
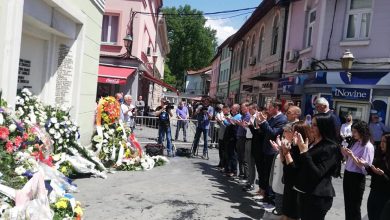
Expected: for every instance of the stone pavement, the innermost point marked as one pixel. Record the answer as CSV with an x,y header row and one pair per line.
x,y
183,189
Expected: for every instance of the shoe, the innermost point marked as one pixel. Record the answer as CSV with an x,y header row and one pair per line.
x,y
230,174
205,157
192,155
185,141
248,188
243,181
268,207
274,212
258,197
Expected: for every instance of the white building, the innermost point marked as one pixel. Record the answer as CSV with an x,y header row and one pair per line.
x,y
52,48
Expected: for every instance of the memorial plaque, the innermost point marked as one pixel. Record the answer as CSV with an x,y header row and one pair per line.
x,y
64,80
23,74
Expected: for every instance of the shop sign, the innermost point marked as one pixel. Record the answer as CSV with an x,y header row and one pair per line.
x,y
267,86
352,94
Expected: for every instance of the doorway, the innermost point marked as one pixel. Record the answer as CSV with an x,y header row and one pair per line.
x,y
359,111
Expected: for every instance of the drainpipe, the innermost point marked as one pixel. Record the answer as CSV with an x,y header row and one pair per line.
x,y
286,14
241,68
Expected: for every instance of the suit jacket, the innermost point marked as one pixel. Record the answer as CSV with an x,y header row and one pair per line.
x,y
271,129
316,168
257,142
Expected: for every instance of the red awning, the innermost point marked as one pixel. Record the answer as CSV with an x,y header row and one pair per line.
x,y
114,75
151,78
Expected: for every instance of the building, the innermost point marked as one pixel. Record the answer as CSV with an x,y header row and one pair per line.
x,y
318,34
224,71
197,82
133,66
215,65
257,54
51,47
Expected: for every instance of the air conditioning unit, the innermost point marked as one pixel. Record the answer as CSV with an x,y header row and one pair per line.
x,y
292,55
252,61
304,64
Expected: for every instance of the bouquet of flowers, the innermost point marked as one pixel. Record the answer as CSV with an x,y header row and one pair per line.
x,y
64,132
108,110
63,209
142,163
29,109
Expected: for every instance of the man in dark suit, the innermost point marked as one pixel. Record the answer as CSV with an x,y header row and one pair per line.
x,y
270,127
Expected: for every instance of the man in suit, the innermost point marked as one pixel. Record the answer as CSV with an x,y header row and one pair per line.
x,y
270,127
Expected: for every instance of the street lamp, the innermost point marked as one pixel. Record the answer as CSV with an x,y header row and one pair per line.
x,y
128,42
346,62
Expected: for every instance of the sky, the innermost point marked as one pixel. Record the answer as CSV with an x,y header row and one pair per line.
x,y
224,27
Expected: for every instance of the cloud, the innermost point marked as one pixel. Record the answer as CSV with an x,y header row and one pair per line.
x,y
222,27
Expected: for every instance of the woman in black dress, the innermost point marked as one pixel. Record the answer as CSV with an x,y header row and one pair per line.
x,y
316,164
380,182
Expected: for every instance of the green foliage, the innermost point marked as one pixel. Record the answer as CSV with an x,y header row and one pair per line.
x,y
8,175
168,76
192,44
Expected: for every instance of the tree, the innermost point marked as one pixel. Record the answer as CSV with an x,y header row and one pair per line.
x,y
168,76
192,44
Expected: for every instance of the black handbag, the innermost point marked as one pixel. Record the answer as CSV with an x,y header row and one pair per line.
x,y
183,152
154,149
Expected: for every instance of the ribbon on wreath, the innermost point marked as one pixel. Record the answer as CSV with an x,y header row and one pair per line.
x,y
135,143
98,119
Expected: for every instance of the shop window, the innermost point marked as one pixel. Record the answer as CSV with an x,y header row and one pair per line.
x,y
311,18
110,29
358,19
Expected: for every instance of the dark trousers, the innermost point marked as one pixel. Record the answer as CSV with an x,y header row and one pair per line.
x,y
231,163
258,155
222,153
375,204
353,186
314,207
290,202
242,164
198,132
386,211
265,173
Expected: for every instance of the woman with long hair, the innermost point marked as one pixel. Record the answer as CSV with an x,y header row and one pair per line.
x,y
290,206
318,162
380,182
360,155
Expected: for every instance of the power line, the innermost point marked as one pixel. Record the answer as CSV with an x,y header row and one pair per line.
x,y
198,14
221,18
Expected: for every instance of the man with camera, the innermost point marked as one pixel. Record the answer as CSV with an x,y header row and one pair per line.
x,y
164,112
203,114
182,120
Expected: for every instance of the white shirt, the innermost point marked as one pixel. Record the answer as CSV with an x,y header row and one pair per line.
x,y
127,117
345,130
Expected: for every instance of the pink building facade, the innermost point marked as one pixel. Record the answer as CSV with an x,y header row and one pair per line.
x,y
134,67
215,65
257,52
318,33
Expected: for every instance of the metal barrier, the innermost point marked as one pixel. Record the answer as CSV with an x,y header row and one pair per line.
x,y
146,131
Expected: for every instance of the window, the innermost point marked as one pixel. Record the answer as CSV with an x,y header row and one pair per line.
x,y
110,29
359,19
275,35
311,18
253,45
261,42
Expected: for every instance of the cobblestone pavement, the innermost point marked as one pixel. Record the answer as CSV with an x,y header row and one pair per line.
x,y
183,189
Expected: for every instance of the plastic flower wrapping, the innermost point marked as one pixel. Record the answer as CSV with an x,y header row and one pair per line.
x,y
39,150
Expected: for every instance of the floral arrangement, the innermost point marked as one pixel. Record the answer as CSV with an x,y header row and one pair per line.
x,y
64,132
142,163
63,209
109,110
29,109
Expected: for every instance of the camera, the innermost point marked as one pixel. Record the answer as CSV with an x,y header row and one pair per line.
x,y
169,105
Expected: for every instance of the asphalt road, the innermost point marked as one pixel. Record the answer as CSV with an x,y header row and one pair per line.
x,y
183,189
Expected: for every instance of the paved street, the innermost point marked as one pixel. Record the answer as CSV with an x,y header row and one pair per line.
x,y
183,189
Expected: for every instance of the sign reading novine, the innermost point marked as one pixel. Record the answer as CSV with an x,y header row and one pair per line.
x,y
352,94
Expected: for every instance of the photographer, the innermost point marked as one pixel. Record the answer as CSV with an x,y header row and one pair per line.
x,y
182,122
203,114
164,112
128,112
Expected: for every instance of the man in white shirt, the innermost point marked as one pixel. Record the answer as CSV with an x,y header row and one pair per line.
x,y
128,110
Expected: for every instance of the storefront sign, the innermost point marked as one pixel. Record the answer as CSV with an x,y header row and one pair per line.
x,y
352,94
267,86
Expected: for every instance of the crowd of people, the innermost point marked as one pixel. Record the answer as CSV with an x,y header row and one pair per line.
x,y
295,160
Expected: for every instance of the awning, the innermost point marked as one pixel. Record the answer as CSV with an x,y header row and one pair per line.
x,y
114,74
151,78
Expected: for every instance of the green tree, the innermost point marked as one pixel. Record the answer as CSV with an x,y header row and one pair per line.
x,y
192,44
168,76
